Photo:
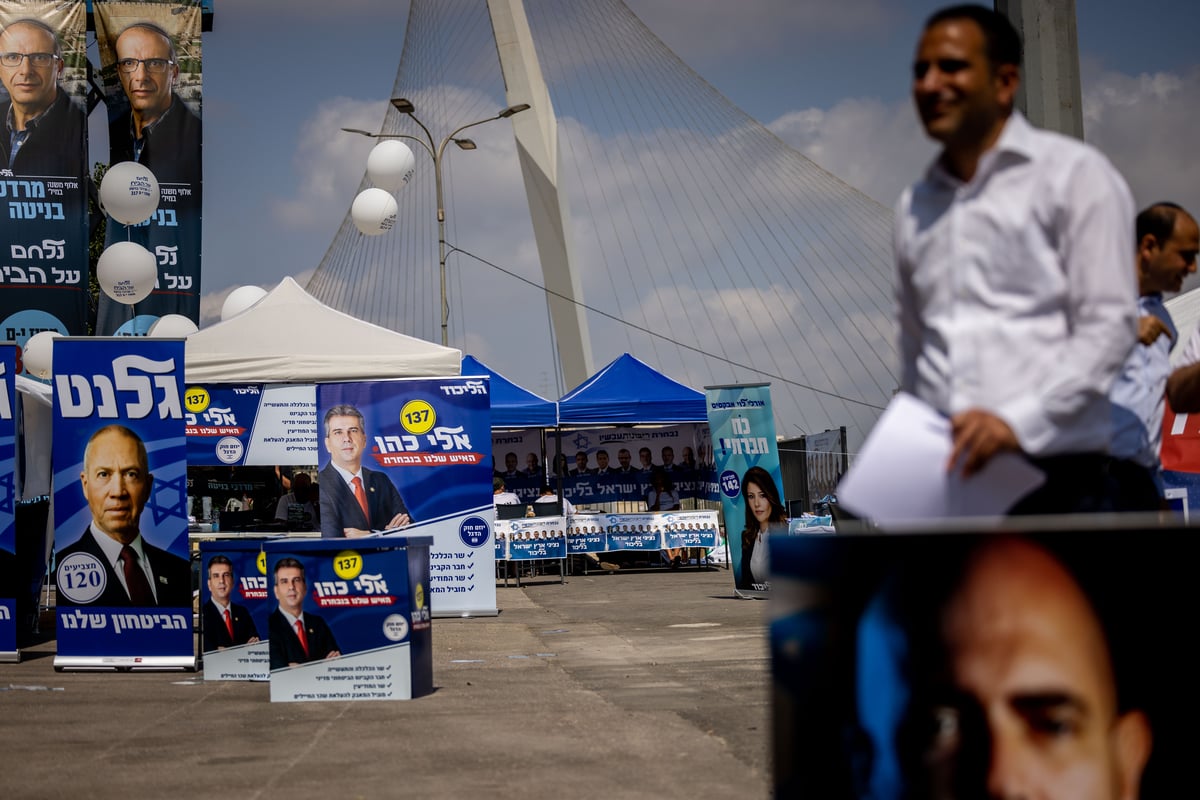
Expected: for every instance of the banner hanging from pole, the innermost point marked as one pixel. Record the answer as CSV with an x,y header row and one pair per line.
x,y
8,502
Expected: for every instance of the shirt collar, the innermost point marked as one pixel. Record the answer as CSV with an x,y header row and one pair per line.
x,y
1016,139
112,548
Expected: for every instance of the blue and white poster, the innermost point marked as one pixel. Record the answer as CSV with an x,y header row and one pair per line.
x,y
349,620
747,465
8,497
251,424
120,524
411,457
233,610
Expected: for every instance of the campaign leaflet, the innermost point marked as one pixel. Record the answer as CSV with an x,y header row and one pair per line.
x,y
251,424
526,539
233,579
8,497
746,455
421,453
349,620
124,579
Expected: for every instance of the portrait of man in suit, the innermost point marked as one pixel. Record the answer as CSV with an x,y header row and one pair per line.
x,y
225,622
296,637
116,480
355,500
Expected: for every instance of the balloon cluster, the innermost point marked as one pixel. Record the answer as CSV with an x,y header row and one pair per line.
x,y
390,166
127,271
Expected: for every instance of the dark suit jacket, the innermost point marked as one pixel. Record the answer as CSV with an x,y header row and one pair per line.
x,y
172,575
54,146
172,145
285,644
340,508
217,635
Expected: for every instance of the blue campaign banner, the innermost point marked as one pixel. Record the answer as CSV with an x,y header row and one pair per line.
x,y
155,119
233,610
43,182
251,424
8,498
120,522
349,620
523,539
747,466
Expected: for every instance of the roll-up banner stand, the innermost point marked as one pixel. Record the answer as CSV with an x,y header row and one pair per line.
x,y
123,576
349,620
235,602
747,465
8,498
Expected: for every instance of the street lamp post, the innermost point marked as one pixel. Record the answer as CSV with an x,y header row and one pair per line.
x,y
436,151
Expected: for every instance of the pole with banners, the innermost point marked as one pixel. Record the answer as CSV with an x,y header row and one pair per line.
x,y
747,466
150,64
8,497
120,522
43,169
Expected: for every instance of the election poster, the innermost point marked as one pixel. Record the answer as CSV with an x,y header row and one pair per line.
x,y
123,577
8,502
43,168
747,465
251,424
150,66
350,620
410,456
233,610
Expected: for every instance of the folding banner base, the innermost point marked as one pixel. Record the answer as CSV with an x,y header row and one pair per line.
x,y
124,663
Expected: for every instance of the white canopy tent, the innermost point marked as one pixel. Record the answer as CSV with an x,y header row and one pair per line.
x,y
291,337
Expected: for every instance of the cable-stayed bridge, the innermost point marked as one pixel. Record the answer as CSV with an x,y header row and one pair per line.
x,y
700,242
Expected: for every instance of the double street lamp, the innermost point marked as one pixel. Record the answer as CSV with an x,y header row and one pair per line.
x,y
436,150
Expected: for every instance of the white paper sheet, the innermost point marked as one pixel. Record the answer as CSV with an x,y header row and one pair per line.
x,y
900,477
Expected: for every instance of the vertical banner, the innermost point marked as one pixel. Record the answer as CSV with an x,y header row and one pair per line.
x,y
120,522
825,462
8,498
150,61
747,466
350,620
233,611
43,169
418,449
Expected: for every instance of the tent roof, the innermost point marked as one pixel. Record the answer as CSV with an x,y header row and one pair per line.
x,y
629,392
290,336
512,406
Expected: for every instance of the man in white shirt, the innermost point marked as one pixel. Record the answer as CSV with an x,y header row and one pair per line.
x,y
1016,302
1167,241
501,496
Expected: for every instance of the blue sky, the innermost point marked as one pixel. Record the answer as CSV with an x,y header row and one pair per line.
x,y
830,77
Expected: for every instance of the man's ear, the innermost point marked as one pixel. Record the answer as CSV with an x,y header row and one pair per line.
x,y
1132,740
149,488
1007,78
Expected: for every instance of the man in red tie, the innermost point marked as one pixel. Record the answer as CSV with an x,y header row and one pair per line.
x,y
355,500
116,480
225,623
296,637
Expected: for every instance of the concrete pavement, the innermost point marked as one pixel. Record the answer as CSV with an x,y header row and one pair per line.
x,y
638,684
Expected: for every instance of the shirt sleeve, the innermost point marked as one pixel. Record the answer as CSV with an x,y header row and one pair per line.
x,y
1095,247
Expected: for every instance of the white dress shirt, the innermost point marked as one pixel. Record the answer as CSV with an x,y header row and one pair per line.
x,y
112,552
1016,289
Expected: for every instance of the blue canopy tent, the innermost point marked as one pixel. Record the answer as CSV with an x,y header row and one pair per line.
x,y
512,406
630,392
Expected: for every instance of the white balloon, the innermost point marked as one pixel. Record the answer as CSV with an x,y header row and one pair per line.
x,y
172,326
391,164
38,354
129,193
127,272
374,211
240,299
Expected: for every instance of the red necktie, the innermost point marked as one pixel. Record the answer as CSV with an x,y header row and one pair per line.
x,y
229,623
140,593
302,637
362,498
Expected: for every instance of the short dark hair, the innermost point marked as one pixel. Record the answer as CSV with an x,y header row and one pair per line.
x,y
1157,220
288,563
1002,43
344,410
497,483
218,559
